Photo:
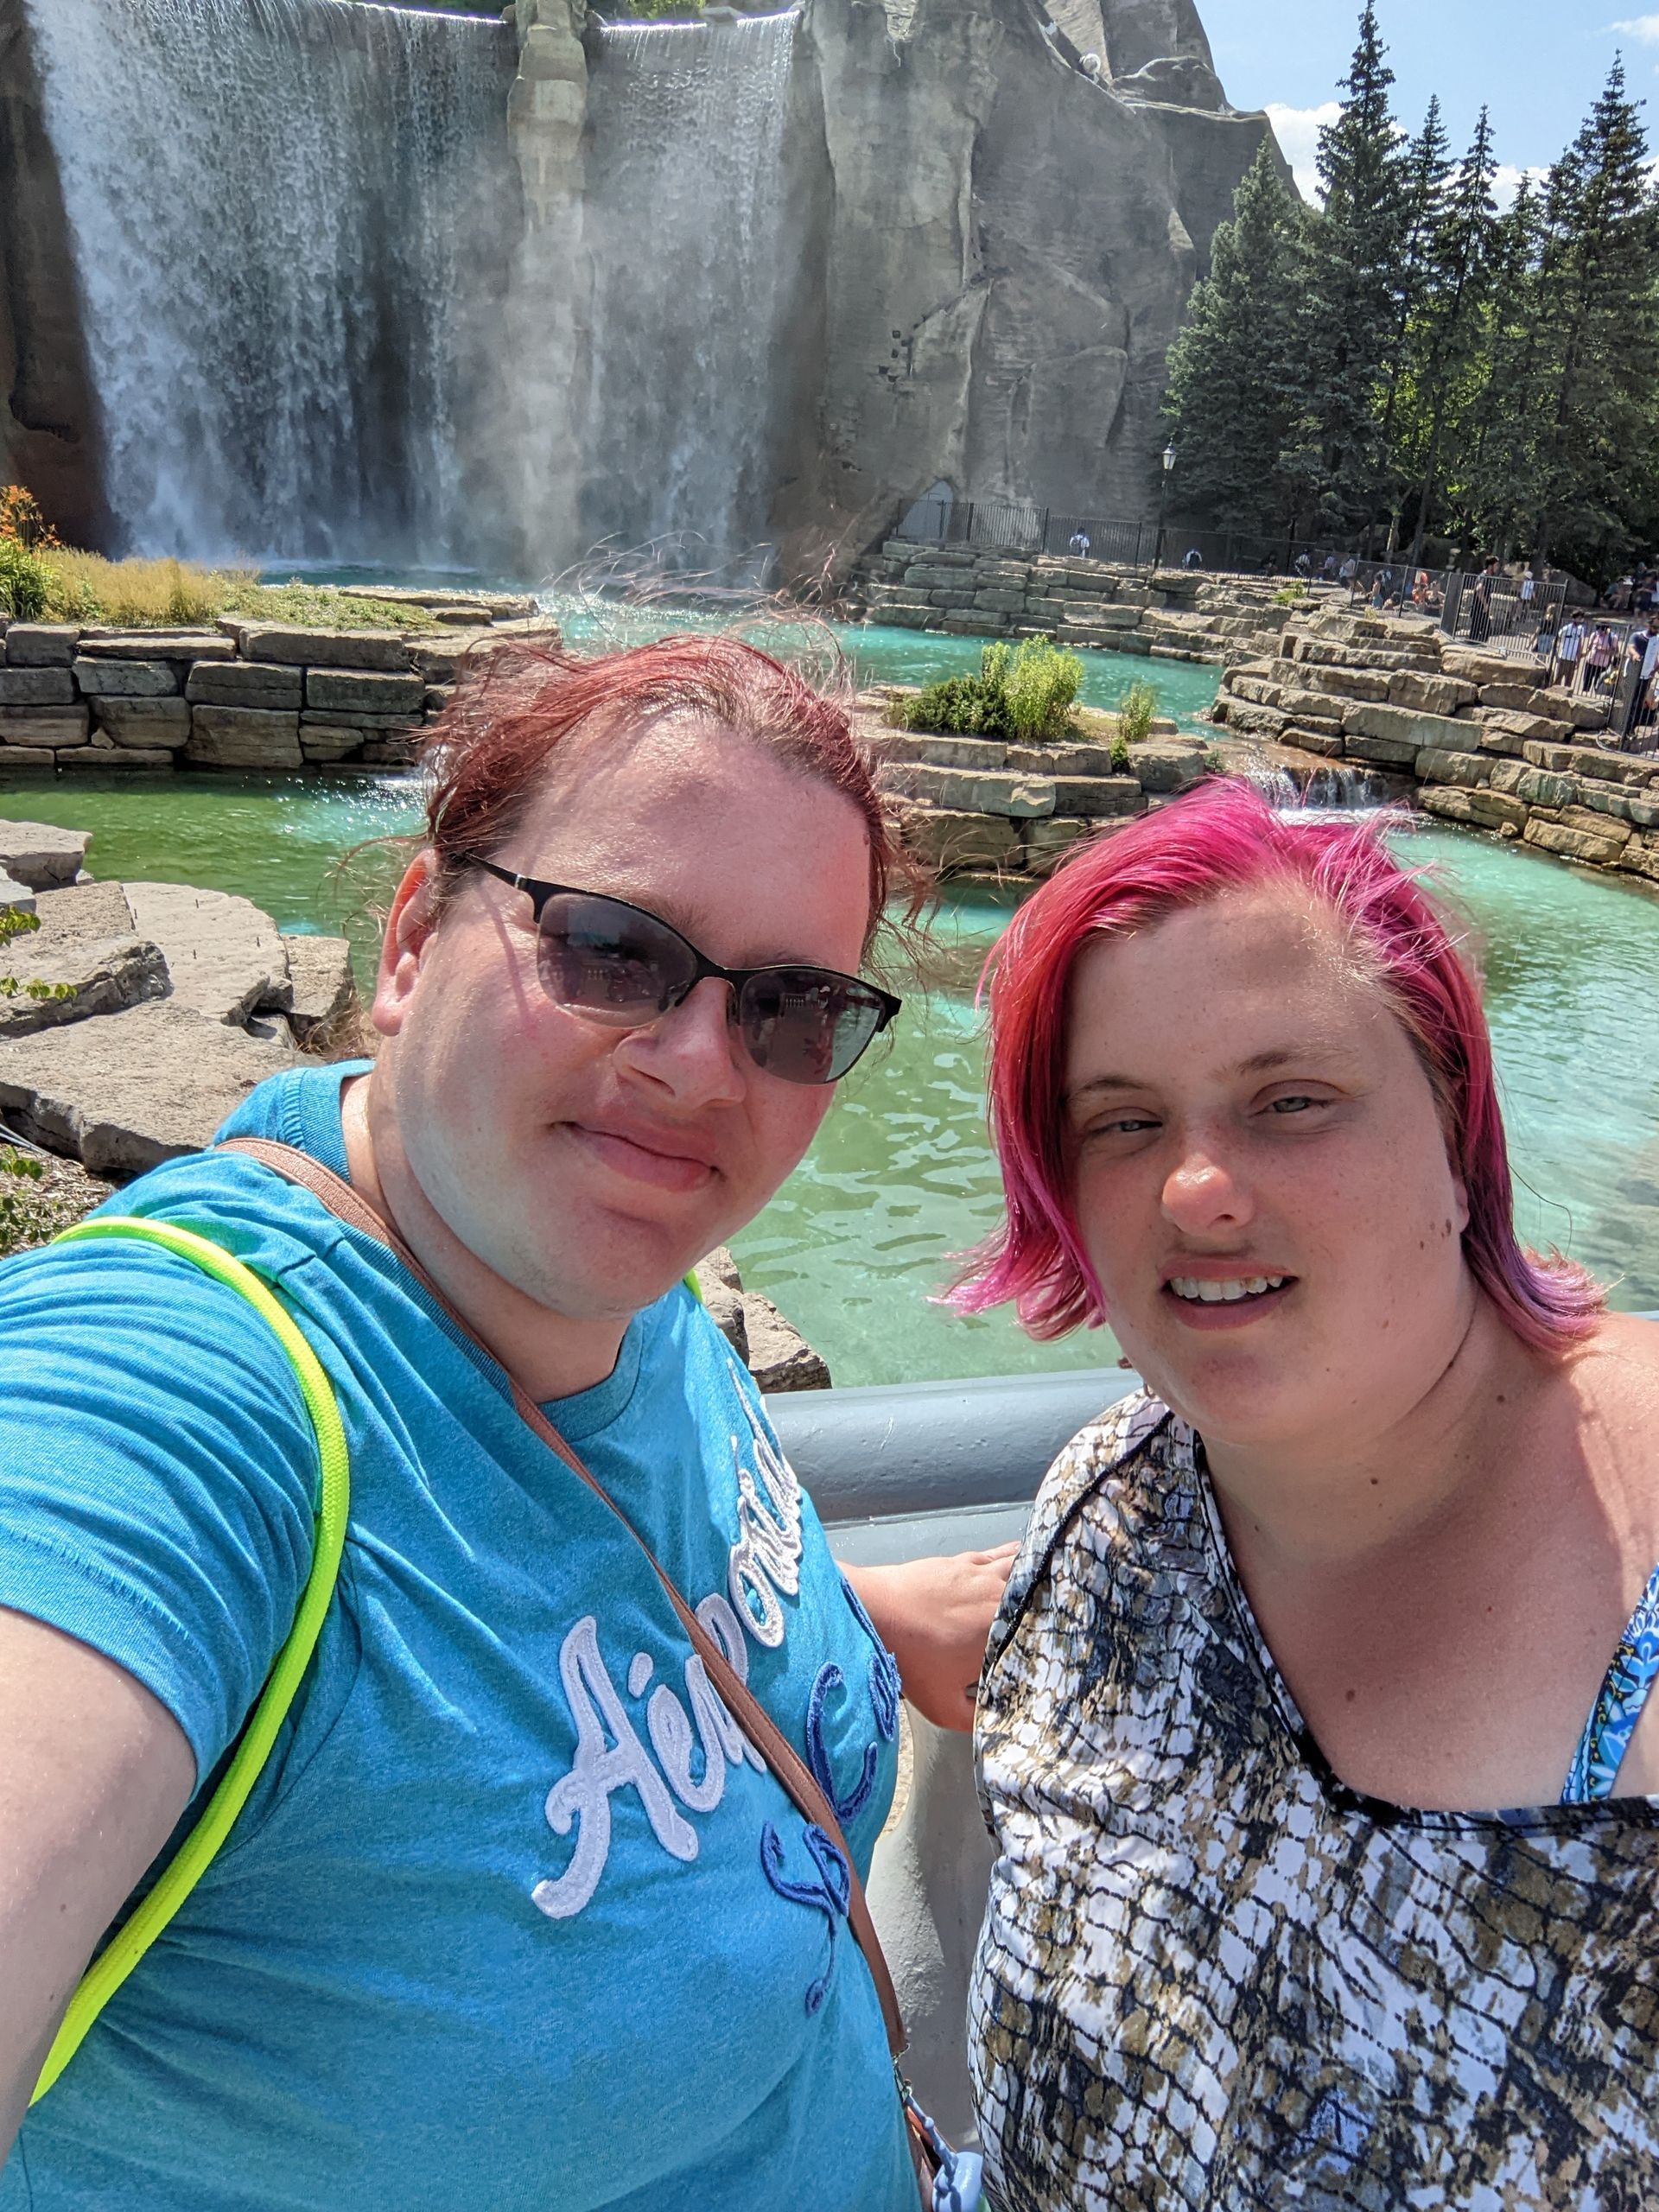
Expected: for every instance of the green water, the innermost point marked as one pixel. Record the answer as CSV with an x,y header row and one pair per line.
x,y
900,1175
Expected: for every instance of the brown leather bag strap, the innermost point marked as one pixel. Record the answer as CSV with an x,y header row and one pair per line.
x,y
349,1205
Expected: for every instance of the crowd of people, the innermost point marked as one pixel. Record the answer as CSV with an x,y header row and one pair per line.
x,y
1311,1718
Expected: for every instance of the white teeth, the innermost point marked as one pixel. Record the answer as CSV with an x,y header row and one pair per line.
x,y
1202,1291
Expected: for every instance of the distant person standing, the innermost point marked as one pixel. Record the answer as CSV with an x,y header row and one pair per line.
x,y
1480,605
1600,654
1328,569
1082,545
1569,650
1194,559
1349,570
1642,650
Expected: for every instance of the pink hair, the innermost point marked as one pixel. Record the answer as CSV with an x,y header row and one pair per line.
x,y
1226,837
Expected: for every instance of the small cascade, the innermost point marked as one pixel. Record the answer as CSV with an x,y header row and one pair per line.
x,y
686,223
1320,790
280,212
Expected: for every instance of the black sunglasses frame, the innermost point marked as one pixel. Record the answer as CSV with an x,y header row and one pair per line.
x,y
539,893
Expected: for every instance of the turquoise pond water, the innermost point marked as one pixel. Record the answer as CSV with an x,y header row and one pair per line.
x,y
900,1174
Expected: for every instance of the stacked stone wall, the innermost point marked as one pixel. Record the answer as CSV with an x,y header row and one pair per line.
x,y
245,695
1094,605
1486,744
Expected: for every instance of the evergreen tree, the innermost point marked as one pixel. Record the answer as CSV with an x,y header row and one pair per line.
x,y
1428,169
1448,328
1354,275
1493,461
1231,400
1596,366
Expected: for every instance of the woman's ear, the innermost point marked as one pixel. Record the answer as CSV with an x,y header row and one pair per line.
x,y
409,932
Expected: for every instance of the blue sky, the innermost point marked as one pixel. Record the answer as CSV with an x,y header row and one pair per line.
x,y
1537,63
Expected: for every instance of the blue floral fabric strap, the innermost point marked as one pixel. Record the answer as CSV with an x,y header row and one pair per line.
x,y
1612,1720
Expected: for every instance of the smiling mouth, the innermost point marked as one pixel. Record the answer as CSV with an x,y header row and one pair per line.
x,y
1232,1290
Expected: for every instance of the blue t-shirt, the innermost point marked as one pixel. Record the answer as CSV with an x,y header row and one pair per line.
x,y
513,1919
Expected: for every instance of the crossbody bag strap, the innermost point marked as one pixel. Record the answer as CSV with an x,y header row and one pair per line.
x,y
349,1205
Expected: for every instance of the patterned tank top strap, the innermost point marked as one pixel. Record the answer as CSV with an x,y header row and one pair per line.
x,y
1624,1692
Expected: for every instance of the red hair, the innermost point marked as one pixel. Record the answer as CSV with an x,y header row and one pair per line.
x,y
1225,837
500,739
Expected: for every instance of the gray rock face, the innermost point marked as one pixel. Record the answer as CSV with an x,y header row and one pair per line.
x,y
321,986
246,683
349,691
146,723
42,856
298,648
126,1093
242,737
36,687
44,725
224,957
1009,248
100,976
39,645
120,678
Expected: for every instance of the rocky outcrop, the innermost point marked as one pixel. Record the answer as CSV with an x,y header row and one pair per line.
x,y
1009,244
773,1349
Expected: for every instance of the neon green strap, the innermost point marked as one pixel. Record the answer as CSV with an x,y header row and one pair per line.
x,y
112,1966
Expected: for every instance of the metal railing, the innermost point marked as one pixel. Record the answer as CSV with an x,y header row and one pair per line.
x,y
1024,528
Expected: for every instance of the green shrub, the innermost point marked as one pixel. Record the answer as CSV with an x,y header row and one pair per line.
x,y
1119,754
1288,595
1135,712
25,582
1041,688
1026,695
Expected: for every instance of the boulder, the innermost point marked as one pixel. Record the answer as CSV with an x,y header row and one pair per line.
x,y
328,740
951,842
84,976
1429,695
1383,752
321,986
352,691
779,1357
245,684
721,1287
1535,786
36,687
126,1092
44,725
1538,729
15,897
936,752
1477,667
156,724
242,737
301,648
1308,741
121,678
88,910
31,756
42,856
968,791
224,957
39,645
1048,842
1573,844
1469,769
1096,798
1163,765
1414,731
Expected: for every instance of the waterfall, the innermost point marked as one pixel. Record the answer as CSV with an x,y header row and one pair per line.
x,y
686,221
1321,791
280,212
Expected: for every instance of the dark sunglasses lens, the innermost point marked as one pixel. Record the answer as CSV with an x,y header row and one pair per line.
x,y
807,1024
603,958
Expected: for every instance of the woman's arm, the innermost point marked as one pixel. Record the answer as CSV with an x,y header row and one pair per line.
x,y
94,1773
935,1616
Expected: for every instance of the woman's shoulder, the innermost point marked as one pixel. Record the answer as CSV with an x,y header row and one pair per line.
x,y
1112,1474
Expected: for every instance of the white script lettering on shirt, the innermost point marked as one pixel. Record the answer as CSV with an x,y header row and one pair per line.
x,y
764,1567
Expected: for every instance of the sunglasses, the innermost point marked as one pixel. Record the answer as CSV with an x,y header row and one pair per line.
x,y
619,964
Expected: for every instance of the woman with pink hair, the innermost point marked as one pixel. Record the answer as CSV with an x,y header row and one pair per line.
x,y
1327,1834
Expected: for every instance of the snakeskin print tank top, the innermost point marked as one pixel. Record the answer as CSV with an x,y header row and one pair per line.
x,y
1212,1976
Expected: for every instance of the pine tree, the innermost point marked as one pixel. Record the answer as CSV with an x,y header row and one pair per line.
x,y
1449,325
1231,400
1354,275
1595,369
1493,458
1427,170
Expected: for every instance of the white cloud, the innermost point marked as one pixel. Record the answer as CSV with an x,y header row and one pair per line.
x,y
1297,130
1645,28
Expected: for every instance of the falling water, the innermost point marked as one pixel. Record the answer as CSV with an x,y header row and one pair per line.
x,y
686,221
1323,790
279,209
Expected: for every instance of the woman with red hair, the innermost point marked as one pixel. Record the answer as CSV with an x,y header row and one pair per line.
x,y
545,1888
1328,1837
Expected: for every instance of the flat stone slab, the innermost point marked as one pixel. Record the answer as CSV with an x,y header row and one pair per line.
x,y
158,645
42,856
300,648
84,975
359,691
123,678
322,984
245,684
224,956
36,687
146,723
18,896
243,737
87,909
39,645
126,1092
47,726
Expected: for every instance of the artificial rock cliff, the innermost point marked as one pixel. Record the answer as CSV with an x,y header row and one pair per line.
x,y
1010,223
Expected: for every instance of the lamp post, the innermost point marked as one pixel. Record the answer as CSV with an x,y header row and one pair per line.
x,y
1163,505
